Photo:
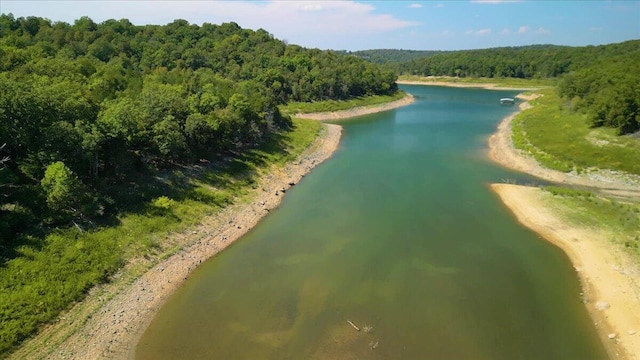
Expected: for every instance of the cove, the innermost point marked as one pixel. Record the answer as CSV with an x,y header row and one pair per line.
x,y
397,231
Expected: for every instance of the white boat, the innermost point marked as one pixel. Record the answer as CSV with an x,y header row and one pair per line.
x,y
508,101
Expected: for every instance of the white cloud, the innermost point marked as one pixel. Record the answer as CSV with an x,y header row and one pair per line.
x,y
523,29
481,32
440,5
505,31
446,32
543,31
415,6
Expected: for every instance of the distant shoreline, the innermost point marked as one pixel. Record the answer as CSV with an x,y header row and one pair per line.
x,y
434,81
610,280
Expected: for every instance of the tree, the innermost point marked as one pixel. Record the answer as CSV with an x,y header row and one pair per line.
x,y
62,188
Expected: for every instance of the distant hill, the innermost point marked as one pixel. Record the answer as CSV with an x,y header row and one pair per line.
x,y
393,56
535,61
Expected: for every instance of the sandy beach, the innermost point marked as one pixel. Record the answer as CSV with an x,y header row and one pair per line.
x,y
610,277
108,323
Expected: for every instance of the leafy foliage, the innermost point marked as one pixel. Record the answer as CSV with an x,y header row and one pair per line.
x,y
608,92
94,117
393,56
562,139
536,61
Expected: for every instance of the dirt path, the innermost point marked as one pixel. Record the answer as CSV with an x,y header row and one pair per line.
x,y
610,278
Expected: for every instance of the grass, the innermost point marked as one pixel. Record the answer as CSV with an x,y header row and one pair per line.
x,y
620,220
47,274
562,140
498,82
335,105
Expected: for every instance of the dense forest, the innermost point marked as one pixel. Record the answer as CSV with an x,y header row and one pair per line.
x,y
393,56
536,61
87,105
112,133
601,81
608,92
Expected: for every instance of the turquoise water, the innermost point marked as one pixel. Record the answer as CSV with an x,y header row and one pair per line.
x,y
397,231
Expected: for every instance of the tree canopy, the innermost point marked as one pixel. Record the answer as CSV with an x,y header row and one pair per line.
x,y
87,105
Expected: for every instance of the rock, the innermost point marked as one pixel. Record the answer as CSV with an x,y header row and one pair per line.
x,y
291,183
631,332
602,305
612,336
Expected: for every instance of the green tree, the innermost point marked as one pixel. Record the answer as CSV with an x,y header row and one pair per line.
x,y
62,188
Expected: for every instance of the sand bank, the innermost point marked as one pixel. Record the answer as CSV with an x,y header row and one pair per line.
x,y
610,278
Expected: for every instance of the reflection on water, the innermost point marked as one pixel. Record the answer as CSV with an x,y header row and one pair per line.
x,y
397,232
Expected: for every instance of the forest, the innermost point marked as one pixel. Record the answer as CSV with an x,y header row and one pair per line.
x,y
85,105
113,134
603,82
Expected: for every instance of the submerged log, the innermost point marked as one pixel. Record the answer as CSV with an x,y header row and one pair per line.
x,y
354,325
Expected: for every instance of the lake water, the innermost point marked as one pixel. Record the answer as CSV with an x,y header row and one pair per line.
x,y
397,231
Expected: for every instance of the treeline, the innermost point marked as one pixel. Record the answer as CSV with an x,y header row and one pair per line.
x,y
86,107
607,92
525,62
393,57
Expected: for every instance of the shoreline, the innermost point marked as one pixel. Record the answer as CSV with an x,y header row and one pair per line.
x,y
358,111
502,151
112,318
610,278
485,86
112,328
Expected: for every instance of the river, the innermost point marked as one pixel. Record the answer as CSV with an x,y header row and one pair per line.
x,y
399,234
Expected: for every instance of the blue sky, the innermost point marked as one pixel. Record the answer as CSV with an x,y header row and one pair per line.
x,y
359,25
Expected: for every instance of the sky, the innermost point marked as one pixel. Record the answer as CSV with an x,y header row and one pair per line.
x,y
361,25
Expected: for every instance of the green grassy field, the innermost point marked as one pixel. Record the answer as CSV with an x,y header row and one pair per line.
x,y
498,82
562,140
620,220
334,105
47,274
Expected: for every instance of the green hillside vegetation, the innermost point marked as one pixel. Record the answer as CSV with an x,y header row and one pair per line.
x,y
393,56
562,139
620,220
112,135
537,61
607,92
497,82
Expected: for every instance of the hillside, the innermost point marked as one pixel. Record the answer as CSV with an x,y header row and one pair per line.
x,y
112,135
535,61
